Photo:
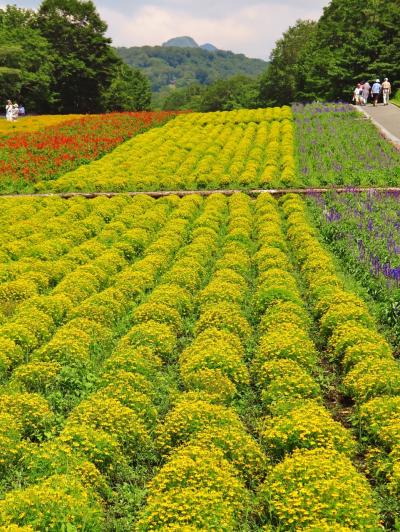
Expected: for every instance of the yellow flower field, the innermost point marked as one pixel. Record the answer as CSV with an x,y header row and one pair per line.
x,y
237,149
33,123
170,352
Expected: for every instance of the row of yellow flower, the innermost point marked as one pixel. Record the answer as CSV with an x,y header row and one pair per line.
x,y
371,374
34,123
81,274
189,154
39,250
111,428
241,115
81,312
211,460
314,486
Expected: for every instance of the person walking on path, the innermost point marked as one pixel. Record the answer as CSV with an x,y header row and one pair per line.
x,y
376,91
386,91
9,110
366,91
357,94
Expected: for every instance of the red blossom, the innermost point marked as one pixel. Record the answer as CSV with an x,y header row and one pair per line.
x,y
49,153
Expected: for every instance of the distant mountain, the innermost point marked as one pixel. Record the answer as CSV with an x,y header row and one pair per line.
x,y
177,66
209,47
188,42
182,42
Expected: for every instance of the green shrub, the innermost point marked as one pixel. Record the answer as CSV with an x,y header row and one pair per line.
x,y
371,377
52,505
286,341
158,336
305,426
188,418
285,381
316,485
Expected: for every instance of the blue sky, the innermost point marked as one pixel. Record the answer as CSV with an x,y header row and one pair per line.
x,y
249,27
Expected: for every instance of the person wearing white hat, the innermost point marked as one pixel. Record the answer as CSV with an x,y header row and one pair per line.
x,y
386,91
376,91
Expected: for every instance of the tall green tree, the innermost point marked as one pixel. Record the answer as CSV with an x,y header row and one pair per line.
x,y
129,91
85,63
237,92
26,60
354,40
283,80
184,98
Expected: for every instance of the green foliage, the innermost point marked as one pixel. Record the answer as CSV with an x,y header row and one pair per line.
x,y
58,60
238,92
369,30
353,41
187,98
283,81
26,60
129,91
85,63
183,67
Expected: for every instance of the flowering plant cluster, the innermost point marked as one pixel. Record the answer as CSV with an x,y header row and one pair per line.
x,y
363,230
133,330
371,373
315,481
210,457
241,149
111,427
28,156
34,123
324,133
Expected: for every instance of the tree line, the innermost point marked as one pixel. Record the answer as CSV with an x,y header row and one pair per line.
x,y
353,41
58,60
181,67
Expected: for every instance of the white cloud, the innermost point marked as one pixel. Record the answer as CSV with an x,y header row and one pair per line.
x,y
247,26
251,29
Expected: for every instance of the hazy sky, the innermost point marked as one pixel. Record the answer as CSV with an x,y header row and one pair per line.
x,y
250,27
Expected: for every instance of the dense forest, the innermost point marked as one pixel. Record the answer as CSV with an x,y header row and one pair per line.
x,y
183,66
57,59
353,41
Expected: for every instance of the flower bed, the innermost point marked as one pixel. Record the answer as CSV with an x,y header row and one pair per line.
x,y
337,146
28,157
240,149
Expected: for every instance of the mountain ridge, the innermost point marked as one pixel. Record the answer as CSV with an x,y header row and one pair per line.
x,y
176,66
188,42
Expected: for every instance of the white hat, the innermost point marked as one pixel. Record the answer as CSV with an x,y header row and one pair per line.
x,y
378,81
386,79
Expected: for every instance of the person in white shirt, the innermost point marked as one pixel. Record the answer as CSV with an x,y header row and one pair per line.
x,y
15,112
386,91
9,109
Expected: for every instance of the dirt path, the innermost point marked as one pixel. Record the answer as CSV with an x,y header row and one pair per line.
x,y
225,192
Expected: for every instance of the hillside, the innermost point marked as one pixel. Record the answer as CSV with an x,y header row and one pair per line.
x,y
182,42
182,66
189,42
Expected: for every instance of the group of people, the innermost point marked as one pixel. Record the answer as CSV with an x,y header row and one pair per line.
x,y
363,91
13,111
